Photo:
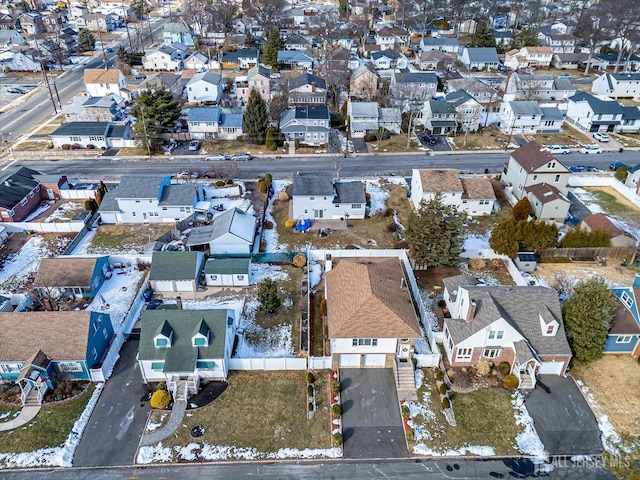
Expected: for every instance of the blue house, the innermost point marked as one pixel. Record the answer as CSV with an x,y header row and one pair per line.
x,y
624,334
73,277
66,347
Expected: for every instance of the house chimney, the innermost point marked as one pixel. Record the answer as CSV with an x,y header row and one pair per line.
x,y
472,311
402,282
313,87
179,303
328,264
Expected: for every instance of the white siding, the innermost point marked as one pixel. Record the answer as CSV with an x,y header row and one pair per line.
x,y
344,345
185,285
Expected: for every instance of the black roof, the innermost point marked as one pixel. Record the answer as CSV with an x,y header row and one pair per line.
x,y
16,185
82,128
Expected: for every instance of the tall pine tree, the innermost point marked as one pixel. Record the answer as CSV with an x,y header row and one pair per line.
x,y
155,112
271,47
484,37
256,119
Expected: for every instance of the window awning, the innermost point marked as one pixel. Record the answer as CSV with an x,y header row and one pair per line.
x,y
444,123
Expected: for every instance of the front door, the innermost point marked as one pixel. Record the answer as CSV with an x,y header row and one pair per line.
x,y
50,194
404,348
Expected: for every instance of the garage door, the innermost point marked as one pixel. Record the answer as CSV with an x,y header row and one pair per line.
x,y
184,285
164,286
551,368
349,360
374,360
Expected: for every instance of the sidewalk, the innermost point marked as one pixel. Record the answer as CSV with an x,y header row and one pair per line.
x,y
26,415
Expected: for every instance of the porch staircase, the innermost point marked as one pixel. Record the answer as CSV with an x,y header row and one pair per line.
x,y
180,394
404,376
32,399
526,382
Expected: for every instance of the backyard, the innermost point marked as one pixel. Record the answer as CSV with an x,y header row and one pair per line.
x,y
245,422
113,238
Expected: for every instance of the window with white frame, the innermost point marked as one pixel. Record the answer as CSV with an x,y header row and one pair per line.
x,y
626,299
496,334
464,354
491,352
69,367
624,338
10,367
364,342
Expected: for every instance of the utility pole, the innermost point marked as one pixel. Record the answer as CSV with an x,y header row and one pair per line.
x,y
57,95
45,77
104,53
144,128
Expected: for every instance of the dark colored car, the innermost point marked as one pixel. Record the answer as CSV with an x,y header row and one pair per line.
x,y
430,139
19,90
148,293
153,304
617,165
139,76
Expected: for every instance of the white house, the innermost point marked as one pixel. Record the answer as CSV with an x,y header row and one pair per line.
x,y
520,117
227,272
537,86
533,57
148,199
548,204
630,120
368,117
196,61
214,123
530,165
442,44
176,272
617,85
481,58
591,114
100,82
233,231
317,196
205,87
388,59
558,39
473,195
167,58
469,110
20,61
92,135
390,38
289,59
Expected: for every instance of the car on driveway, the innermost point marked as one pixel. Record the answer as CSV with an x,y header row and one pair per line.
x,y
19,90
617,165
216,157
564,75
430,139
194,145
557,149
242,156
589,149
139,76
601,137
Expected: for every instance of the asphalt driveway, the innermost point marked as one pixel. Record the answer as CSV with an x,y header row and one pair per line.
x,y
116,424
565,423
371,420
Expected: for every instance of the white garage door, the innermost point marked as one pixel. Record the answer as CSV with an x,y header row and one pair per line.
x,y
374,360
551,368
349,360
164,286
184,285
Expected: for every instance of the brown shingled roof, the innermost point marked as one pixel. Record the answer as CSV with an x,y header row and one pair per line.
x,y
368,298
478,188
530,156
100,75
599,221
440,180
62,335
65,272
545,193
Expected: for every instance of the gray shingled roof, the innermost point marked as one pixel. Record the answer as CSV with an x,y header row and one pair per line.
x,y
350,192
482,55
178,195
312,184
453,283
307,79
132,186
525,108
599,107
81,128
21,183
406,76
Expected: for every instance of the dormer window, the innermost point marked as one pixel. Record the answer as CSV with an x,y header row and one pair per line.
x,y
163,336
201,333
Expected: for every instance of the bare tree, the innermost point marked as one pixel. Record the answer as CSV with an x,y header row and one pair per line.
x,y
467,117
592,28
337,153
266,13
193,13
222,15
624,24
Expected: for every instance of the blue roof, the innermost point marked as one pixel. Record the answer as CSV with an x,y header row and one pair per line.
x,y
204,114
294,55
231,120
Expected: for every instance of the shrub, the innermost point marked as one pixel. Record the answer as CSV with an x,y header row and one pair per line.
x,y
438,374
504,368
309,377
336,410
290,223
162,386
446,403
65,146
511,381
310,407
442,389
410,435
262,186
91,147
335,386
268,179
323,307
477,264
405,411
160,399
310,390
367,196
451,395
220,183
392,227
337,439
402,244
300,260
268,224
229,181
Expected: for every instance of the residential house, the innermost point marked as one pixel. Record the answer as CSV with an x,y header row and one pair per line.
x,y
318,196
307,89
391,38
520,117
205,87
548,204
414,85
176,272
307,125
624,333
468,110
185,347
537,86
342,59
630,119
472,195
439,117
503,38
297,42
442,44
95,22
169,81
530,165
633,178
602,223
100,82
627,62
435,60
292,59
388,59
367,118
10,38
177,32
522,326
377,327
243,58
227,272
231,232
97,109
20,61
68,345
70,277
32,23
55,22
617,85
482,92
257,79
165,58
23,189
197,61
528,57
364,82
572,61
591,114
481,58
551,121
148,199
214,123
92,135
558,40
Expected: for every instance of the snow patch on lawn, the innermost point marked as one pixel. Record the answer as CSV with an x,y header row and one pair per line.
x,y
260,271
82,247
528,441
117,293
475,241
259,342
14,273
378,196
270,236
483,451
315,274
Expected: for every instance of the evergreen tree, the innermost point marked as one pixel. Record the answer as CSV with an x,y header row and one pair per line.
x,y
272,46
511,236
435,233
483,37
268,295
525,38
587,317
272,138
581,238
139,8
250,40
256,119
86,40
503,239
522,209
123,56
155,111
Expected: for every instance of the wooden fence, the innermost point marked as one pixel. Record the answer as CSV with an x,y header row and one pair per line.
x,y
588,253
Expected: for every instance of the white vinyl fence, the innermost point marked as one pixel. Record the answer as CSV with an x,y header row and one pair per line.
x,y
77,194
280,363
51,227
427,360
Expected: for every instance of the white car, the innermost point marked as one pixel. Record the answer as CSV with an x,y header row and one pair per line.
x,y
557,149
588,149
601,137
216,157
194,145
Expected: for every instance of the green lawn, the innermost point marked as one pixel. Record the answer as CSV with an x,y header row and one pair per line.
x,y
49,428
127,235
262,410
484,418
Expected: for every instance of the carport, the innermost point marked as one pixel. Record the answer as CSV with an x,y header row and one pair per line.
x,y
371,419
563,419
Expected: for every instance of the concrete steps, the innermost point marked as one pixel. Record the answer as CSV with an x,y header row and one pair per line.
x,y
405,377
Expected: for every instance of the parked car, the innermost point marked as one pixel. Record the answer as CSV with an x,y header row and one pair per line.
x,y
194,145
617,165
557,149
19,90
589,149
577,168
216,157
139,76
242,156
430,139
184,175
195,175
564,75
153,304
210,174
601,137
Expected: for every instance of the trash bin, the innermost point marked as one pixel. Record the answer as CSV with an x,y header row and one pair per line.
x,y
621,150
